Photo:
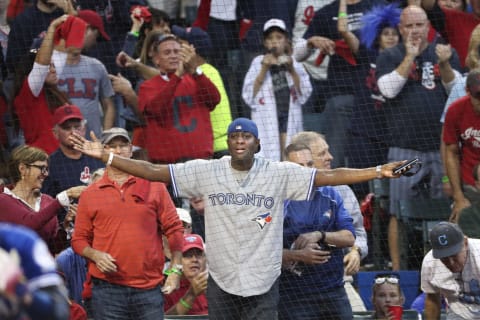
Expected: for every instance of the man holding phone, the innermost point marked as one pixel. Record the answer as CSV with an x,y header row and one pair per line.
x,y
314,235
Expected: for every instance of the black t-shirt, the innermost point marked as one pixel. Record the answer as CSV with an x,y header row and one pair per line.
x,y
280,87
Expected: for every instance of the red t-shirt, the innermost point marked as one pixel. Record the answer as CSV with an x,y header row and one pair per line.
x,y
177,114
200,305
462,125
36,120
458,29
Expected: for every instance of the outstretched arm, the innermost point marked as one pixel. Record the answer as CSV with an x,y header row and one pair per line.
x,y
341,176
138,168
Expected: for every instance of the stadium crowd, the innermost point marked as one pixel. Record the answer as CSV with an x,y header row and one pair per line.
x,y
137,136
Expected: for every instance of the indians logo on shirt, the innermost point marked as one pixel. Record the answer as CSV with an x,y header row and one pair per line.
x,y
428,75
474,134
263,219
85,175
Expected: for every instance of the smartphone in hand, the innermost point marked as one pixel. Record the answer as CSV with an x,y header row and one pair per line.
x,y
406,168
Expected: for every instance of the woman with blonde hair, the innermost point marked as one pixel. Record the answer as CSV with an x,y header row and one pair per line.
x,y
386,292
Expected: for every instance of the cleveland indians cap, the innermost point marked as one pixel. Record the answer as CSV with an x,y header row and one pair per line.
x,y
66,112
191,241
446,239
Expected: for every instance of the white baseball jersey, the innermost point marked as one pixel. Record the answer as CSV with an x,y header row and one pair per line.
x,y
461,290
243,216
304,14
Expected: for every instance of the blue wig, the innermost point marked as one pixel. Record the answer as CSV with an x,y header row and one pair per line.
x,y
375,20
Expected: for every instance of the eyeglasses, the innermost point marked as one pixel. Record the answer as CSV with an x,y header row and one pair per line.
x,y
43,169
390,279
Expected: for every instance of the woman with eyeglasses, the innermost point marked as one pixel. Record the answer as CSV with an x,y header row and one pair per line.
x,y
386,292
24,204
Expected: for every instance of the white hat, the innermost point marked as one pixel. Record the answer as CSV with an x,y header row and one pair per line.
x,y
184,215
274,23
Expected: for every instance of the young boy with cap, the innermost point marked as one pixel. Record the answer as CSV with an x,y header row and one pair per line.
x,y
275,88
452,270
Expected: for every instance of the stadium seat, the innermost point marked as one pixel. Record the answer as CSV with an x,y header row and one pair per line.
x,y
381,189
422,214
364,315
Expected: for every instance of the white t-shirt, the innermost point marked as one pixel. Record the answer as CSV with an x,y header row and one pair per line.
x,y
461,290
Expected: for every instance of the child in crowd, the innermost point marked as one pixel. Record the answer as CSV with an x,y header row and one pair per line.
x,y
275,88
386,292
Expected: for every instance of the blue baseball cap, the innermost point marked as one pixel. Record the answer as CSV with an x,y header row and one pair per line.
x,y
243,125
196,37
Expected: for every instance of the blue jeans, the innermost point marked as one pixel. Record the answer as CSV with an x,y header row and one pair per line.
x,y
223,305
116,302
325,304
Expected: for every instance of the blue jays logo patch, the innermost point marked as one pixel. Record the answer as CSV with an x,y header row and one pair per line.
x,y
263,219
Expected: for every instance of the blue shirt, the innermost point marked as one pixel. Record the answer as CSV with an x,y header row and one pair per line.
x,y
324,213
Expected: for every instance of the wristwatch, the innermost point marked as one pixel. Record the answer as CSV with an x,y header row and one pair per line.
x,y
198,72
358,250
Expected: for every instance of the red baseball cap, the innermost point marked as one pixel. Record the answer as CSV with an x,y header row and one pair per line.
x,y
94,20
191,241
67,112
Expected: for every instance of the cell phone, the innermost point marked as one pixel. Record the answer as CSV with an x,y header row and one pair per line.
x,y
327,247
406,167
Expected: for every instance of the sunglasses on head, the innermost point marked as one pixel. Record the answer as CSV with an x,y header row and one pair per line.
x,y
381,279
164,37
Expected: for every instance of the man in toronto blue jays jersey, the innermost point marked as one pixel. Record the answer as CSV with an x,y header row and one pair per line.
x,y
244,197
29,283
